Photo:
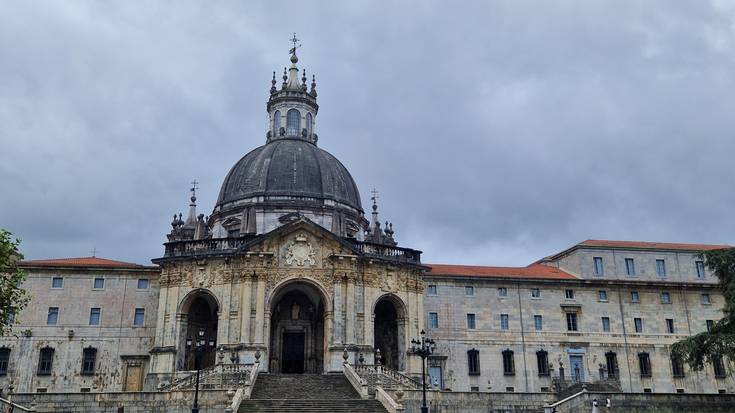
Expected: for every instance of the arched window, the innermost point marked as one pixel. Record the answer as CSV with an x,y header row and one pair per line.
x,y
276,122
308,123
89,359
293,122
45,361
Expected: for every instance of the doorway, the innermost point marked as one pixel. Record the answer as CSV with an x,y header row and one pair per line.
x,y
293,353
577,367
389,332
201,311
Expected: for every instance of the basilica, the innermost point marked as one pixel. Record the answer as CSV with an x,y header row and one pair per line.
x,y
290,275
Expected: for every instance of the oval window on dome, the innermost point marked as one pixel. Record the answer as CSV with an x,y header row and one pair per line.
x,y
276,122
308,123
293,119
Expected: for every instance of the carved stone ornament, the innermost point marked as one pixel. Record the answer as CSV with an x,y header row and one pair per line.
x,y
300,252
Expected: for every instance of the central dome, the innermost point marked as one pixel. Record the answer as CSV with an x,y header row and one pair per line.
x,y
288,170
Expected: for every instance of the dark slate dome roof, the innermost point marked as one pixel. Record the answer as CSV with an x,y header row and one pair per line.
x,y
289,168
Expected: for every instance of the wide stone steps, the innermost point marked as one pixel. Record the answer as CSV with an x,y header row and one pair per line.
x,y
306,393
311,406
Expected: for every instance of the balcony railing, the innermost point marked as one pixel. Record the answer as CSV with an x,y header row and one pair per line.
x,y
225,246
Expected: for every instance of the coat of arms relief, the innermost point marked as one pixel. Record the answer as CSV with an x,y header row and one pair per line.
x,y
300,252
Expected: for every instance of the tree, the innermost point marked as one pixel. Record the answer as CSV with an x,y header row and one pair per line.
x,y
13,298
720,340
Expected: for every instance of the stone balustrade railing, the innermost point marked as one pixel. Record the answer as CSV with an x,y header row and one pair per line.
x,y
377,375
225,246
219,376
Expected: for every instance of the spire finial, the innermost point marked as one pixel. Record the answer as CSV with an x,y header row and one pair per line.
x,y
194,187
294,40
313,85
375,199
273,83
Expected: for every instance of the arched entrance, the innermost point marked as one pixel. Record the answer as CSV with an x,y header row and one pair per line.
x,y
297,329
389,330
200,309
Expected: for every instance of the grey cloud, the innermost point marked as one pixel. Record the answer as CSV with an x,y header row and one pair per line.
x,y
496,132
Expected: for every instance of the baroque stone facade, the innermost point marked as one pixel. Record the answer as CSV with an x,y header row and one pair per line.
x,y
287,270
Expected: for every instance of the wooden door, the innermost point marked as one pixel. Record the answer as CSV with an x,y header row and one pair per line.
x,y
133,378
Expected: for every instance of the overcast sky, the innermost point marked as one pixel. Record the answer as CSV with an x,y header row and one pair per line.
x,y
496,132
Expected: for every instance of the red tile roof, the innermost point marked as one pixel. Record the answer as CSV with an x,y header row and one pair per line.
x,y
533,271
651,245
82,262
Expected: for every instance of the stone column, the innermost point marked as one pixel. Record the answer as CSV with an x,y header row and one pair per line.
x,y
337,313
350,310
246,296
223,326
260,310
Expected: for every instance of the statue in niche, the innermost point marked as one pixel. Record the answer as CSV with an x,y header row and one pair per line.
x,y
295,311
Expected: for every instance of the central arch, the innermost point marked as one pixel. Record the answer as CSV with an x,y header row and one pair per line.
x,y
199,314
297,321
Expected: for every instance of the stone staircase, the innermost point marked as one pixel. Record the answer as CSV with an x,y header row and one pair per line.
x,y
307,393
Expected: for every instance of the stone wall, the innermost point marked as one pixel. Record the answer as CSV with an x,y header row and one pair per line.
x,y
474,402
210,401
651,402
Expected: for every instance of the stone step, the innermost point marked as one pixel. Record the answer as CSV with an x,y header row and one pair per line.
x,y
311,406
303,386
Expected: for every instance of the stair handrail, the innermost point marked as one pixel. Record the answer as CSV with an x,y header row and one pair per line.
x,y
380,370
384,398
549,408
16,405
208,372
359,384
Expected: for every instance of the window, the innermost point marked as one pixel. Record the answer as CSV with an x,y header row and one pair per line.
x,y
665,298
139,319
94,316
502,292
569,294
598,266
509,365
535,293
538,322
143,283
471,321
700,269
542,359
670,325
276,123
572,322
634,297
89,357
473,362
644,364
630,267
706,299
293,121
661,268
57,282
504,321
606,324
431,289
475,389
611,363
99,283
638,324
53,316
677,367
308,123
4,360
602,295
469,290
710,325
433,320
719,367
45,361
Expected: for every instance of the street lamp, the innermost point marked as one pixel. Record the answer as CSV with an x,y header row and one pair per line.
x,y
423,347
199,348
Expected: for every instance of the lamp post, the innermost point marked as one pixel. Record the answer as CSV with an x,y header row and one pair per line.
x,y
423,347
199,348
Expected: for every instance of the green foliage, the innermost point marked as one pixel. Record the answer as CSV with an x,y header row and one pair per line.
x,y
698,350
12,297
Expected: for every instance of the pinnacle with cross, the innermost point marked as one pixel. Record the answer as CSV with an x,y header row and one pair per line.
x,y
294,40
94,252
